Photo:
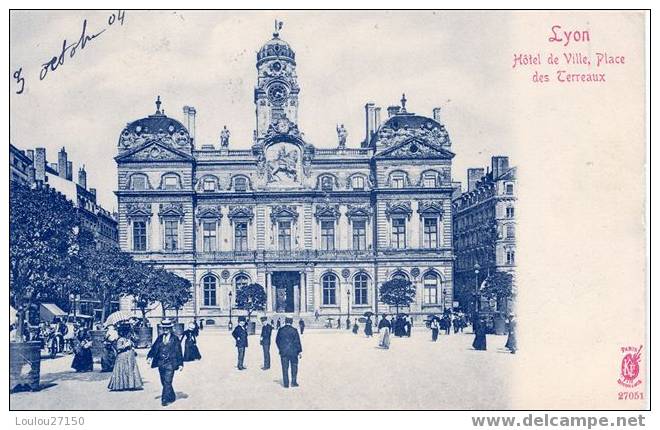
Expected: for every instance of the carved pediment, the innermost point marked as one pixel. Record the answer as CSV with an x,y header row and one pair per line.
x,y
240,213
358,211
327,211
416,148
153,151
398,208
209,212
171,210
430,208
283,211
138,210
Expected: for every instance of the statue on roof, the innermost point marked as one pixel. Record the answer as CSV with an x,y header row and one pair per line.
x,y
342,134
224,137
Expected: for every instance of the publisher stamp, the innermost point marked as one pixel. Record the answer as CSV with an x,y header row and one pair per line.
x,y
630,365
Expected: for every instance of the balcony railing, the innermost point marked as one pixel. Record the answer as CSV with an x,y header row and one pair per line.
x,y
278,255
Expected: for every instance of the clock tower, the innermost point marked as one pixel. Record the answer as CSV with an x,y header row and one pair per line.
x,y
276,93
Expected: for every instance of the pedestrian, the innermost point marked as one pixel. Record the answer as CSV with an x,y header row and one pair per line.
x,y
356,328
511,342
447,324
62,330
69,337
201,324
368,327
109,353
288,344
125,374
279,324
435,327
408,326
82,360
195,327
348,323
166,355
241,336
190,351
316,315
384,329
301,325
479,342
338,322
264,341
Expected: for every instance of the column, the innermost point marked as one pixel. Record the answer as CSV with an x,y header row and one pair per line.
x,y
269,295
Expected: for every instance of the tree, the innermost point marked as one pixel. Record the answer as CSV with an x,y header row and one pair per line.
x,y
144,288
250,298
397,292
42,240
499,286
172,291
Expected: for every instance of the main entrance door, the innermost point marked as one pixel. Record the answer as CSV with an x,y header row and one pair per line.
x,y
285,284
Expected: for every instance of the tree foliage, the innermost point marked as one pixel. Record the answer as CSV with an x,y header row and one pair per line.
x,y
397,292
172,291
250,298
498,285
42,243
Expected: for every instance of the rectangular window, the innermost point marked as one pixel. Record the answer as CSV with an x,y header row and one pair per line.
x,y
509,189
209,185
284,236
430,181
327,235
241,236
398,181
399,233
170,183
139,182
209,236
139,235
430,232
358,183
511,257
171,235
359,235
240,184
509,212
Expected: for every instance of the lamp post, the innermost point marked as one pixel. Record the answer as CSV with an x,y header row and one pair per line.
x,y
348,307
476,289
230,325
444,294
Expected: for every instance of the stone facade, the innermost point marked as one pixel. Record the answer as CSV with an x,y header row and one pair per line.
x,y
319,228
485,225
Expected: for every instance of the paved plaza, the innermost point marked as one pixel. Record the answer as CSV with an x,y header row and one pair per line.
x,y
338,370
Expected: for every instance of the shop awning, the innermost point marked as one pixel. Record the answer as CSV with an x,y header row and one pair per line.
x,y
48,311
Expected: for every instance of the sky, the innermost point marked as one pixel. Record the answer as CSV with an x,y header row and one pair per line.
x,y
452,60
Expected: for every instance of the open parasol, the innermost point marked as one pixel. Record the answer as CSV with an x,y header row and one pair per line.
x,y
117,317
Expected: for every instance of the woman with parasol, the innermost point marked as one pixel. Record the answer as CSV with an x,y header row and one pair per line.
x,y
125,374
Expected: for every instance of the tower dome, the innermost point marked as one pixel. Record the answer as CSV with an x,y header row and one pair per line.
x,y
276,49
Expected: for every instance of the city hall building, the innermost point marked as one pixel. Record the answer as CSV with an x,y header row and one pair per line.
x,y
320,228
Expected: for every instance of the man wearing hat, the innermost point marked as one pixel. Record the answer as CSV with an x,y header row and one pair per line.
x,y
165,354
241,336
288,343
266,330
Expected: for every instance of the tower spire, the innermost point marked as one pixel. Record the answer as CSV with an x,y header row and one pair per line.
x,y
158,103
403,102
278,27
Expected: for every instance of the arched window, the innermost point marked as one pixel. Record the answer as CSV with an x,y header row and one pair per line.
x,y
170,181
360,286
329,284
240,184
431,284
400,275
357,182
209,284
327,183
139,182
241,281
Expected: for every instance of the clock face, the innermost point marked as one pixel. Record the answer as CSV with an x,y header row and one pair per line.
x,y
277,93
276,66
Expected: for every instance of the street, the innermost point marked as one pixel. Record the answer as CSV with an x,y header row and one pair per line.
x,y
338,370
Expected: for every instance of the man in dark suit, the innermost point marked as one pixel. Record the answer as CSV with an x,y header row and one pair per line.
x,y
266,330
166,355
241,336
288,343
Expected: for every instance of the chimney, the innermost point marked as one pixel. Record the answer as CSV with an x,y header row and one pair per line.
x,y
30,154
436,114
393,110
499,165
369,120
69,171
40,164
377,118
61,163
31,174
93,191
82,177
473,176
189,112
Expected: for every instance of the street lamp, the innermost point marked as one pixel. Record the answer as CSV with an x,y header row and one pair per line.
x,y
444,294
476,288
231,325
348,307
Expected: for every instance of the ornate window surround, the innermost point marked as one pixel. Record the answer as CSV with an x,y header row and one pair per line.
x,y
165,175
148,185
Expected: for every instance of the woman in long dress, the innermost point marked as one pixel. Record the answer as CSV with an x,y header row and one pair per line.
x,y
191,352
511,342
125,375
109,354
385,328
479,342
368,330
83,361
